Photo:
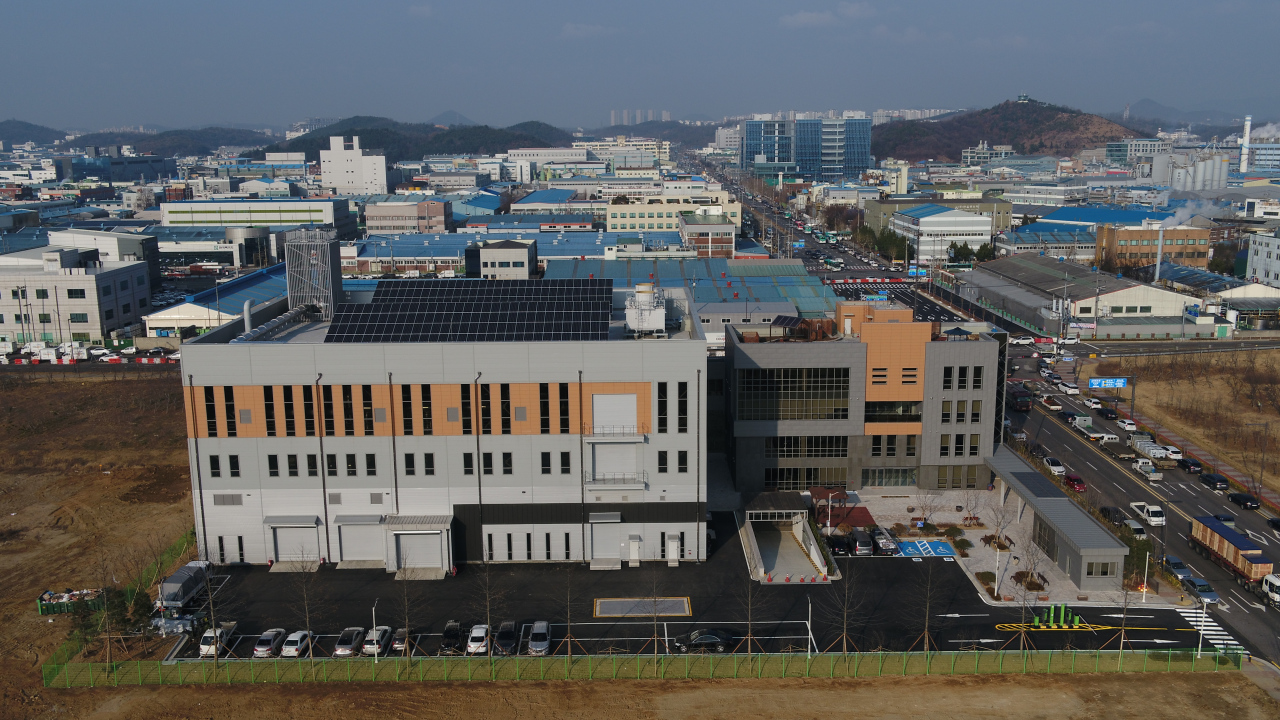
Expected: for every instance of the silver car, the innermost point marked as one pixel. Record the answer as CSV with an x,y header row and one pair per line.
x,y
349,642
269,643
540,638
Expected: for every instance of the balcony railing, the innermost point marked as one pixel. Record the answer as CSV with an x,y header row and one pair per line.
x,y
616,480
617,431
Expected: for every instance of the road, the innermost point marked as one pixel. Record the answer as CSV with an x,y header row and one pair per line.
x,y
1181,495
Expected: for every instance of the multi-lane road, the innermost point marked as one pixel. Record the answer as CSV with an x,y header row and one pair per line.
x,y
1182,495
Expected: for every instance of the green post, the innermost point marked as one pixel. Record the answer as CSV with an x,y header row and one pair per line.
x,y
1193,667
1000,667
953,662
1097,660
1169,665
160,671
977,655
139,664
881,674
1049,665
735,666
1073,662
1145,657
542,669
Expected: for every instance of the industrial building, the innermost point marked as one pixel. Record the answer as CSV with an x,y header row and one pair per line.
x,y
317,212
870,399
1075,245
449,421
662,212
1142,245
879,212
65,294
932,228
817,149
1127,151
348,169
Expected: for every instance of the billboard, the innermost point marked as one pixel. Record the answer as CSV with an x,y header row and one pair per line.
x,y
1105,382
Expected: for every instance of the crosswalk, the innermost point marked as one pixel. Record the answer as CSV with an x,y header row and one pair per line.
x,y
1213,632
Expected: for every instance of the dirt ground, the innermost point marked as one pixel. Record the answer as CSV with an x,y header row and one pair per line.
x,y
1204,695
93,478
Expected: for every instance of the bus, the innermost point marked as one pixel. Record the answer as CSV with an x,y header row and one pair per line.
x,y
834,263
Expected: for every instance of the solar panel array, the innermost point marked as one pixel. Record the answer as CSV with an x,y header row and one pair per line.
x,y
477,311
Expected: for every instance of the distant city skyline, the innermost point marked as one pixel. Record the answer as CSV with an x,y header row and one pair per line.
x,y
719,59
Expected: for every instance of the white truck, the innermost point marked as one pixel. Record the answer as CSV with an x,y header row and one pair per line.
x,y
1152,515
1147,470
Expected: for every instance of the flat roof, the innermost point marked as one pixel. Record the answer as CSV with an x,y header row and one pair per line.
x,y
1053,505
1045,274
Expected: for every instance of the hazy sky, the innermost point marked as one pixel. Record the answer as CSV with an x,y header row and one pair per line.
x,y
99,64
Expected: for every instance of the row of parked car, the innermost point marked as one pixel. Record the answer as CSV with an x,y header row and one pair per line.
x,y
859,542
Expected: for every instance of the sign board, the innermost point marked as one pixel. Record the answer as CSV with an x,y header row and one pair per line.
x,y
1105,382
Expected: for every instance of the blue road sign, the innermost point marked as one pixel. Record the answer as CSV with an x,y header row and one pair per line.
x,y
1095,383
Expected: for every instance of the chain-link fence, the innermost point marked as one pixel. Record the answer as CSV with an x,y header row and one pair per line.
x,y
631,667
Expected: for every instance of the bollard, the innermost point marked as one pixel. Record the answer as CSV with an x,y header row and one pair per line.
x,y
769,578
788,578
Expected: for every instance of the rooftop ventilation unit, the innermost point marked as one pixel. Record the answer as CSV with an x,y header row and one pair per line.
x,y
313,273
646,311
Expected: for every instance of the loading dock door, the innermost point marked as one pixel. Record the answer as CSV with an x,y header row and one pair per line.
x,y
419,550
605,542
297,544
362,542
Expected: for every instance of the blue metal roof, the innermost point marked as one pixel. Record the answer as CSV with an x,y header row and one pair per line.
x,y
923,211
547,196
261,286
1102,216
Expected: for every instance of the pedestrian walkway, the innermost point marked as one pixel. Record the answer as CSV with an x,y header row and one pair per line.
x,y
1213,632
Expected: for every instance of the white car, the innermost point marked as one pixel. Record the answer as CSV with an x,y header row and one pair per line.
x,y
98,350
1055,466
1126,424
1022,340
108,357
297,645
1069,388
129,350
478,640
1173,452
1069,340
1093,403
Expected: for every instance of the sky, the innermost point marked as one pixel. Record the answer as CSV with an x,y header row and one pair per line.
x,y
569,62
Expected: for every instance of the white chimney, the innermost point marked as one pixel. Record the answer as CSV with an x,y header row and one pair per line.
x,y
1244,144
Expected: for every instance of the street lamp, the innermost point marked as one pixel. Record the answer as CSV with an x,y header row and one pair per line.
x,y
375,631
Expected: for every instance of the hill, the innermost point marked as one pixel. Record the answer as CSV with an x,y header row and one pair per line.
x,y
450,118
411,141
687,135
177,142
13,132
1031,128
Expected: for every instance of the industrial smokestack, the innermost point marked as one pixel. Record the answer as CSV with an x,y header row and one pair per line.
x,y
1244,144
1159,253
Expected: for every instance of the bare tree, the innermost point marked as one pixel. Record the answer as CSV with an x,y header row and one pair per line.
x,y
842,604
971,499
927,502
410,605
1000,515
921,606
306,605
488,599
753,602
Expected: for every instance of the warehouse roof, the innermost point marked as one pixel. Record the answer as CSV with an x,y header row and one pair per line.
x,y
1049,276
547,196
1072,523
920,212
1095,216
1194,278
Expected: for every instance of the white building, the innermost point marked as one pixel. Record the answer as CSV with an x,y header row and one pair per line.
x,y
729,138
546,155
68,294
1053,195
262,213
932,228
1264,259
347,169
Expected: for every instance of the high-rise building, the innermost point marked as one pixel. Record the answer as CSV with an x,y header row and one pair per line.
x,y
626,117
613,118
348,169
825,149
666,116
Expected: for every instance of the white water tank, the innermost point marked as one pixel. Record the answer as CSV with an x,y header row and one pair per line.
x,y
646,310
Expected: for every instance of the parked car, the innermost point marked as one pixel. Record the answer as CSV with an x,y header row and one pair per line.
x,y
885,544
1055,466
451,638
540,638
269,643
157,351
400,640
1200,590
861,543
1244,500
703,640
1139,532
297,645
377,641
1107,414
349,642
1092,403
1075,482
1214,481
1173,452
1127,424
1225,519
839,546
1176,567
506,642
129,350
1191,465
478,640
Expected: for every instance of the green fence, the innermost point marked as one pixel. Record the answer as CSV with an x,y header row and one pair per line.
x,y
630,667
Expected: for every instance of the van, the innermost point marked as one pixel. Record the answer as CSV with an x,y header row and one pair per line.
x,y
861,542
1139,532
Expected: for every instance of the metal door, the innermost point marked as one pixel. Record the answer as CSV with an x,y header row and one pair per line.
x,y
419,550
605,541
297,544
362,542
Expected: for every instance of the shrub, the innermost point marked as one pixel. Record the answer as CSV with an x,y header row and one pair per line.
x,y
962,544
928,529
985,577
953,532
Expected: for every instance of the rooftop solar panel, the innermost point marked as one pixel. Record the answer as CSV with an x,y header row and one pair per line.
x,y
477,311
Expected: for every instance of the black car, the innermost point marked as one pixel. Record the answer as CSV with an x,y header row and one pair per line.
x,y
839,546
1214,481
1273,523
1244,500
506,640
1113,515
451,638
1225,519
1067,415
703,641
1191,465
1108,414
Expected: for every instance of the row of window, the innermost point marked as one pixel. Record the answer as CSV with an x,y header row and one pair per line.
x,y
973,414
888,446
419,409
958,378
43,294
547,550
813,446
1119,309
793,394
72,318
292,468
615,216
906,376
503,264
1171,241
652,226
946,448
797,479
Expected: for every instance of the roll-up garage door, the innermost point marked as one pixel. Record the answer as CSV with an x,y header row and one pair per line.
x,y
612,414
419,550
297,544
362,542
605,540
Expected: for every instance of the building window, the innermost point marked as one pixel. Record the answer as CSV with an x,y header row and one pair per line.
x,y
210,411
974,442
544,409
888,477
546,463
79,317
977,377
126,309
959,445
408,464
877,445
946,411
428,464
486,411
946,377
1085,310
682,461
292,461
75,294
794,479
944,445
962,378
331,464
370,464
564,463
351,464
308,411
427,428
961,406
215,466
892,411
891,446
269,409
466,409
793,394
911,446
662,461
289,429
486,463
682,407
468,464
326,393
504,399
273,466
564,408
406,408
43,318
1116,310
348,412
662,407
1144,309
508,464
221,499
975,411
366,392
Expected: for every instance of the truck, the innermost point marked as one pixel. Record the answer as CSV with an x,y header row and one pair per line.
x,y
1147,470
1049,402
1238,555
1152,515
1019,400
1145,445
214,643
184,585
